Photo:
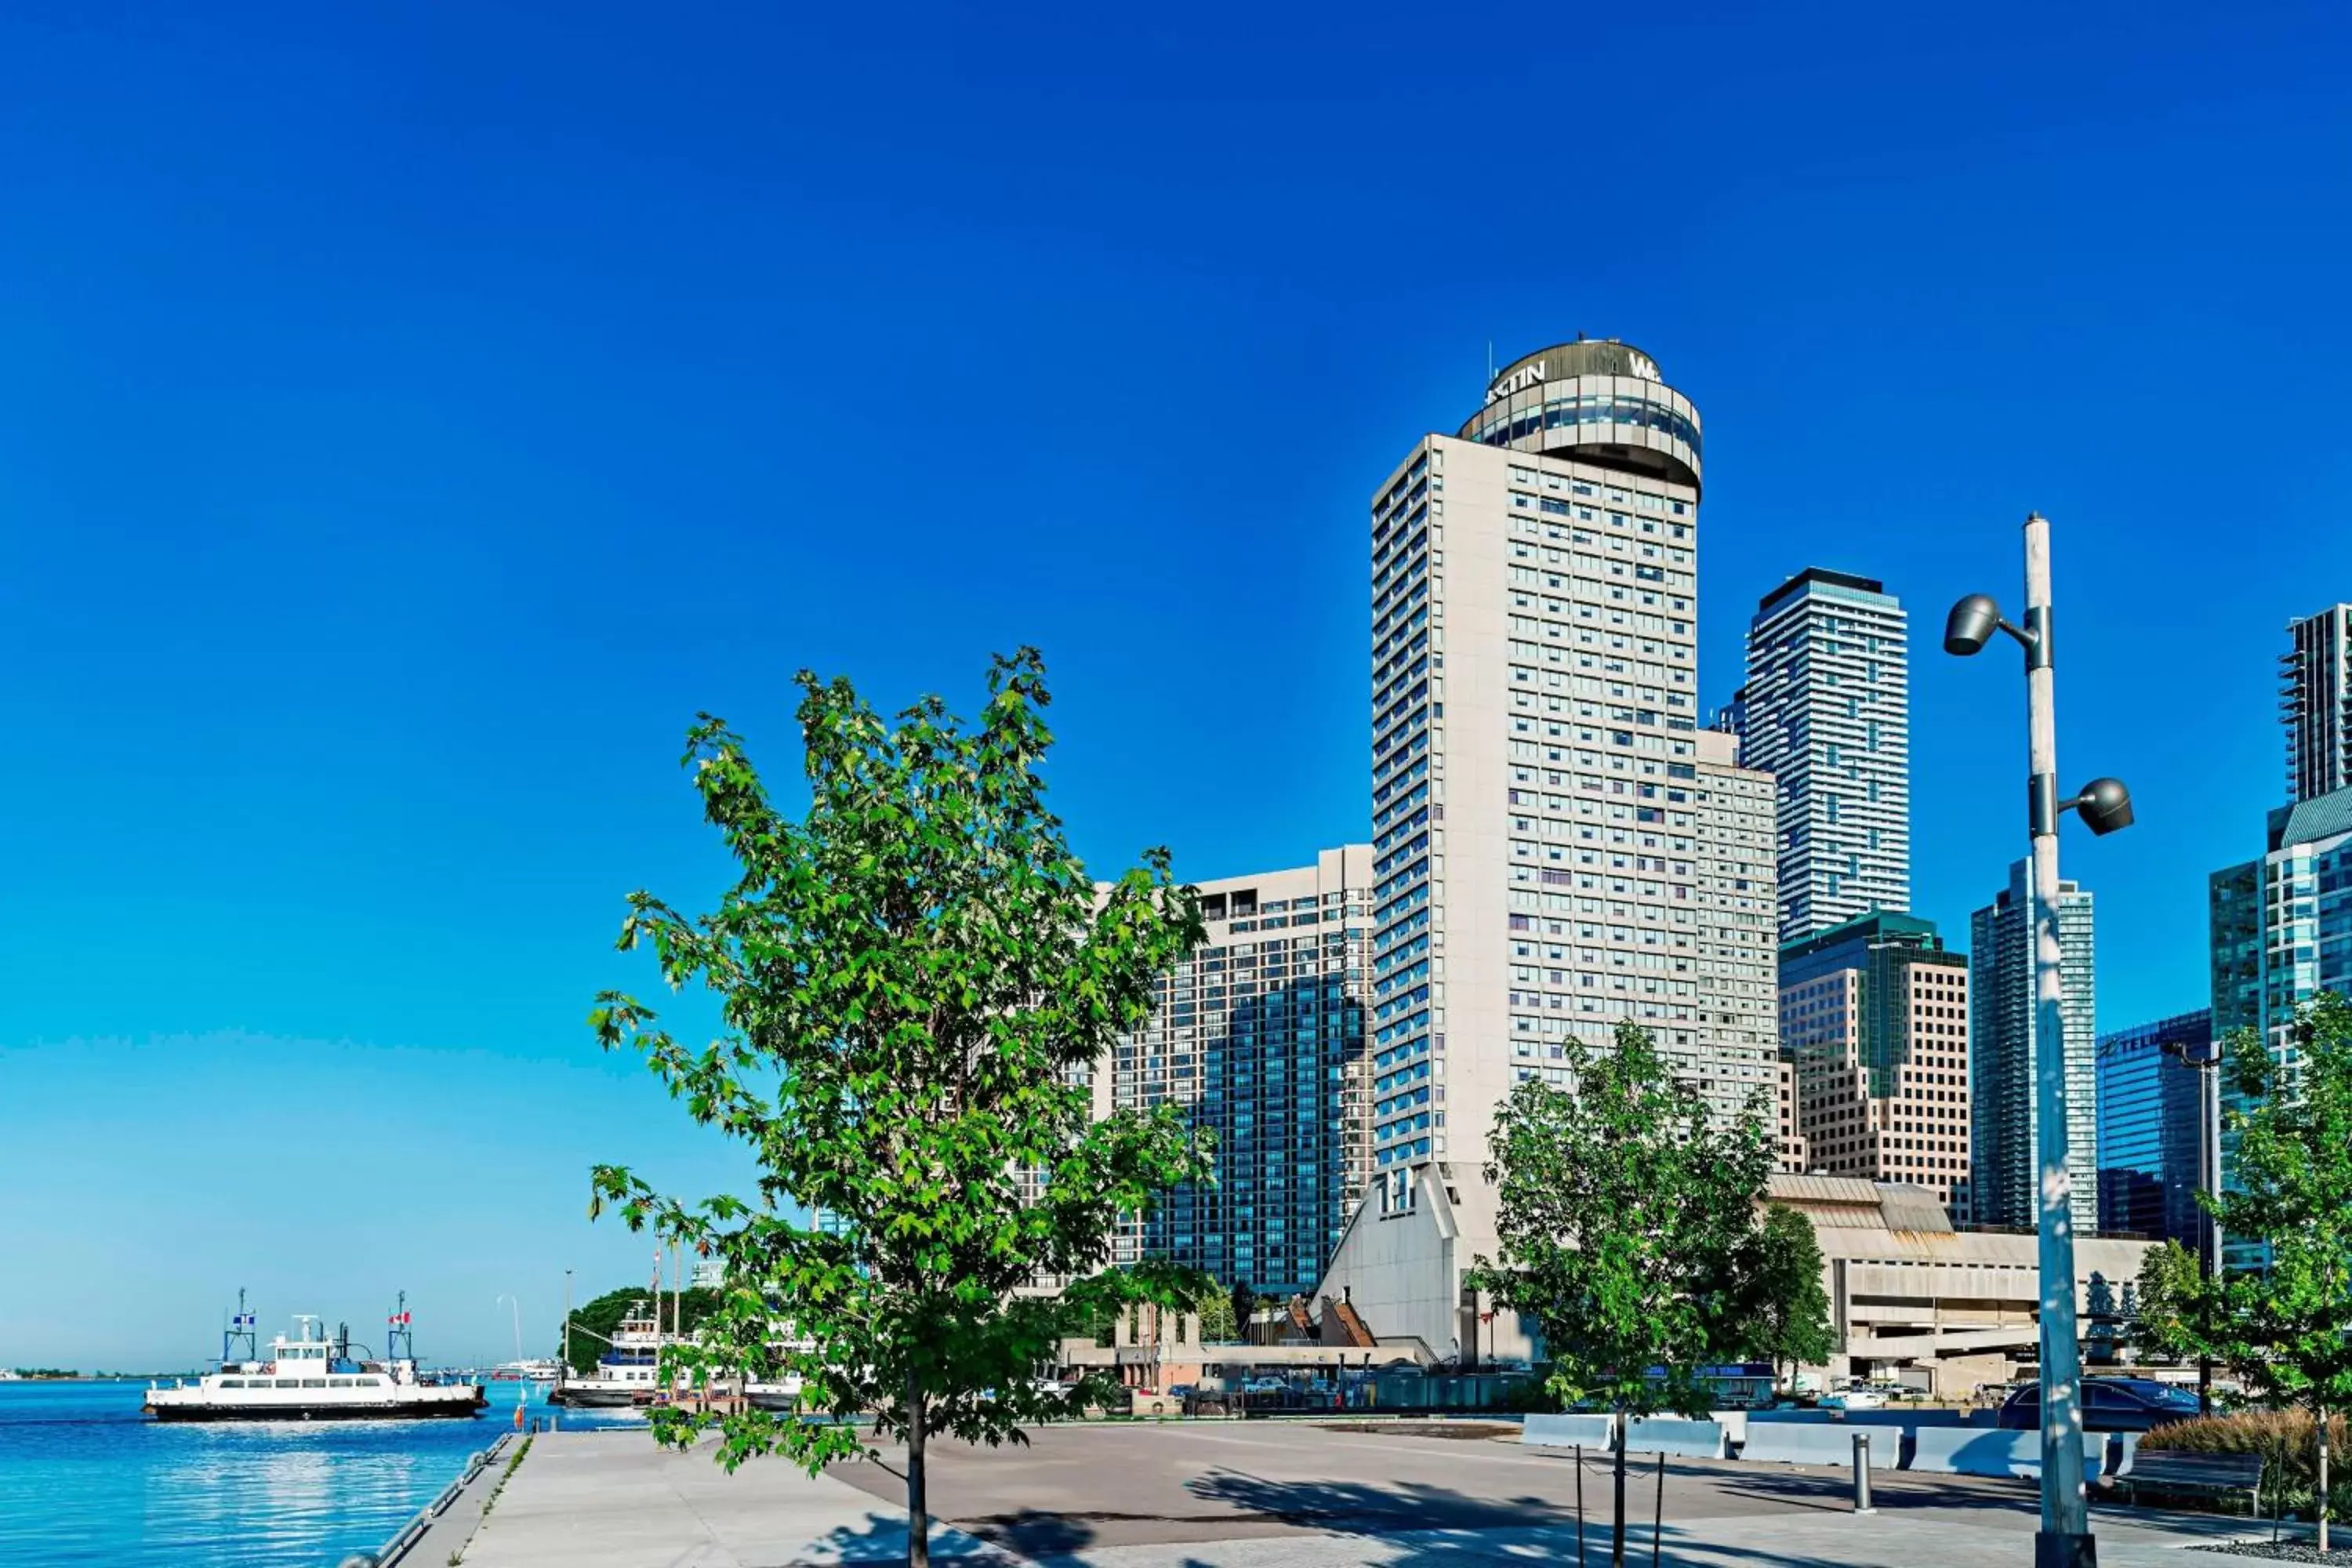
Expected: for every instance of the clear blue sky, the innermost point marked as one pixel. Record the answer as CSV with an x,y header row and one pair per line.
x,y
410,415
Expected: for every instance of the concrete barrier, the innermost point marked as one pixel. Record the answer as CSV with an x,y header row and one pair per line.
x,y
1972,1451
1817,1443
1672,1434
1898,1416
1568,1431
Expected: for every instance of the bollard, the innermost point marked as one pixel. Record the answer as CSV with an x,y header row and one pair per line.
x,y
1579,1506
1862,1473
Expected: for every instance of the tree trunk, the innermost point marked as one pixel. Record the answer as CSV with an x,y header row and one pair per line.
x,y
918,1514
2323,1480
1617,1535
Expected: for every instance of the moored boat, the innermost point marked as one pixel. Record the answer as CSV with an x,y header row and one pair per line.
x,y
625,1373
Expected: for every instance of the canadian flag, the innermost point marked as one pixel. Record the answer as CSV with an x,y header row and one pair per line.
x,y
398,1320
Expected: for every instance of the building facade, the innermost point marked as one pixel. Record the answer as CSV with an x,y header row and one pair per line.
x,y
1826,710
1874,1026
2316,703
2005,1145
1259,1036
2281,933
1536,751
2150,1128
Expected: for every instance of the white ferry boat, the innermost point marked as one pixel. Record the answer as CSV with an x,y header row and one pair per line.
x,y
540,1370
306,1376
625,1373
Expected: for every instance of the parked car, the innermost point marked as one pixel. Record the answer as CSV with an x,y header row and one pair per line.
x,y
2110,1405
1265,1385
1855,1399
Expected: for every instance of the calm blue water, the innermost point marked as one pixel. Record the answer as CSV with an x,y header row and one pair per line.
x,y
85,1479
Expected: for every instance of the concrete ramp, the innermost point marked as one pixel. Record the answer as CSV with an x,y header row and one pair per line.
x,y
1817,1443
1675,1435
1569,1431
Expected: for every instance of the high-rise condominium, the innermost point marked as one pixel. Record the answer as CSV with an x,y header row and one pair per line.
x,y
1259,1036
1874,1026
2002,1036
1541,787
1827,713
2282,933
2316,703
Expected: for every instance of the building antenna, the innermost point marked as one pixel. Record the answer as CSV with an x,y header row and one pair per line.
x,y
1490,362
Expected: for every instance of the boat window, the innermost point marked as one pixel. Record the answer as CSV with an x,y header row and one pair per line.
x,y
289,1382
371,1383
232,1383
314,1383
339,1382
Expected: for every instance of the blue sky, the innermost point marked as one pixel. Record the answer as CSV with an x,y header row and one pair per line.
x,y
410,415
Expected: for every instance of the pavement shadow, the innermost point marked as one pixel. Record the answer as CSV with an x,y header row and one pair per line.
x,y
1831,1491
882,1543
1034,1534
1423,1526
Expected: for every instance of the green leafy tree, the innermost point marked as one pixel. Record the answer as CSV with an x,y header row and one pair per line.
x,y
916,979
1216,1309
1788,1309
1629,1232
2286,1330
1244,1309
2170,1294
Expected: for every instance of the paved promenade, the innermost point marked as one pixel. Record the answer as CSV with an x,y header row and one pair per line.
x,y
1257,1495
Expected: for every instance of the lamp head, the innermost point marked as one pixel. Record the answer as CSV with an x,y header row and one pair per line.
x,y
1970,625
2104,806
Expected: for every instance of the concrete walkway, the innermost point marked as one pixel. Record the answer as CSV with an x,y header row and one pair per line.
x,y
613,1499
1186,1496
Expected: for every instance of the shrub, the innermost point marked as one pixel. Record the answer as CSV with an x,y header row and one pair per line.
x,y
2287,1441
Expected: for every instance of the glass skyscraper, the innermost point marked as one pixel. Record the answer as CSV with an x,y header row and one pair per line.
x,y
2148,1127
2282,933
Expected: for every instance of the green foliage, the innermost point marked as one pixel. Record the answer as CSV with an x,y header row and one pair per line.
x,y
1243,1308
1786,1308
2286,1331
1628,1228
1216,1306
2171,1290
600,1317
916,978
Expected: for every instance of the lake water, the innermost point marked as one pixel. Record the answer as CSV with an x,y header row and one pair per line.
x,y
86,1480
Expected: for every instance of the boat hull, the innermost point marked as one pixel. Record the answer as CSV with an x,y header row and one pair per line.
x,y
601,1398
439,1410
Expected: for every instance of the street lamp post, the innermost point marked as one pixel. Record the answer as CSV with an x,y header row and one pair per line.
x,y
2207,1066
2064,1539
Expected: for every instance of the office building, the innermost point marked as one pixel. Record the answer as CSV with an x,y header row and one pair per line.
x,y
2281,933
2150,1128
1545,806
1827,713
2316,703
1259,1036
1875,1024
2004,1132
